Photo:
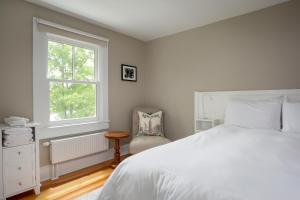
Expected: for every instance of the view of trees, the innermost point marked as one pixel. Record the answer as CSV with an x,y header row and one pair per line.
x,y
70,69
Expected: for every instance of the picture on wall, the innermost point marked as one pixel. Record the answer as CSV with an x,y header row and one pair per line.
x,y
129,73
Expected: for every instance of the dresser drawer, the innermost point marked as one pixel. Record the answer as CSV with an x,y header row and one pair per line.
x,y
16,185
19,154
17,172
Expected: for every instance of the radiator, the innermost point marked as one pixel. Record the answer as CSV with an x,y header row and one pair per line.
x,y
66,149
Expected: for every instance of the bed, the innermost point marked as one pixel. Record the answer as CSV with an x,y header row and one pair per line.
x,y
226,162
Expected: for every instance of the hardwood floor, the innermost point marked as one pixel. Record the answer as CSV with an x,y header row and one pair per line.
x,y
71,185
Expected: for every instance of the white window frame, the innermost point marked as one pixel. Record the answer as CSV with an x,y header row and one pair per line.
x,y
41,106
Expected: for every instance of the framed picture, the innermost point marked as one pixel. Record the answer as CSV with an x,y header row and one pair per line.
x,y
128,73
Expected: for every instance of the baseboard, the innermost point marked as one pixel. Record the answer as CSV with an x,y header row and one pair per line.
x,y
77,164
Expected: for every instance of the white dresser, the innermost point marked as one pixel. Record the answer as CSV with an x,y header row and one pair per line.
x,y
20,166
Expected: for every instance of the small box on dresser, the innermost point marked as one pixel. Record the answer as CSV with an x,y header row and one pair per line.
x,y
20,165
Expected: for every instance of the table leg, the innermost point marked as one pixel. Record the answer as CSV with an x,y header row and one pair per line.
x,y
117,158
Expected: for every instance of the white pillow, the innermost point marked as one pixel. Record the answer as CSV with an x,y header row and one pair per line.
x,y
261,114
150,124
291,116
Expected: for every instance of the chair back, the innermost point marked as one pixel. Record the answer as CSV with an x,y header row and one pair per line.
x,y
135,118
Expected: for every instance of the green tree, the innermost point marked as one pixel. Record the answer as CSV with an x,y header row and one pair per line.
x,y
71,100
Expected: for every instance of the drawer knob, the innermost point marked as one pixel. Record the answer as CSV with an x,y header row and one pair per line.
x,y
19,152
19,168
19,183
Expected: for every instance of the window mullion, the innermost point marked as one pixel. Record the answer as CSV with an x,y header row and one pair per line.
x,y
73,61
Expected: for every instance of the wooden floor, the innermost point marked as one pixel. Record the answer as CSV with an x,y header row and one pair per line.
x,y
71,185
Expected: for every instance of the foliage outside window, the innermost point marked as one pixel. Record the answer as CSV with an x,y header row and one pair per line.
x,y
72,81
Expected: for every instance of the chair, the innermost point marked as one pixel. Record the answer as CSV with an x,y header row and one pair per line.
x,y
141,143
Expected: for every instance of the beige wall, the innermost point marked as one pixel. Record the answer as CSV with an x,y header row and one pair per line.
x,y
260,50
16,64
256,51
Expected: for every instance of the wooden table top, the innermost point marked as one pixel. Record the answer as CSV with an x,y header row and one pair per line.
x,y
117,134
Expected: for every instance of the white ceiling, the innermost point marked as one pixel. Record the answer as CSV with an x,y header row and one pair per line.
x,y
151,19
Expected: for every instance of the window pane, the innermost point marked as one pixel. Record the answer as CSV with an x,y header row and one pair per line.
x,y
72,101
59,61
84,64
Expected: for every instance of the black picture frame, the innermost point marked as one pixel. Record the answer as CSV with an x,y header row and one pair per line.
x,y
128,73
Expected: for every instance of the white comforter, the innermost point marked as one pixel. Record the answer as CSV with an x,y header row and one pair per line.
x,y
224,163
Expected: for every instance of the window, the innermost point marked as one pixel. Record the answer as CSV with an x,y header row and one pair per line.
x,y
72,81
70,84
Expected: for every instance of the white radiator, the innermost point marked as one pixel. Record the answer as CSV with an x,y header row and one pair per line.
x,y
66,149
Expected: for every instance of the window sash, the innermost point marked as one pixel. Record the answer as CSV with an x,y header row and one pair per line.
x,y
80,44
74,57
76,120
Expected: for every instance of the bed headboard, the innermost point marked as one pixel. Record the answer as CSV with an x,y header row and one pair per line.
x,y
212,105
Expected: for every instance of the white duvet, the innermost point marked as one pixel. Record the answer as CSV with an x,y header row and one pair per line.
x,y
224,163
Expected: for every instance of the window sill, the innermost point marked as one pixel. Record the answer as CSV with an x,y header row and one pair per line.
x,y
72,129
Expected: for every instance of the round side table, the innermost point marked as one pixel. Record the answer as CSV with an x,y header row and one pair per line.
x,y
116,136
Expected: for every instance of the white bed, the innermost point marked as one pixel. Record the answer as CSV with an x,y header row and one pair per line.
x,y
223,163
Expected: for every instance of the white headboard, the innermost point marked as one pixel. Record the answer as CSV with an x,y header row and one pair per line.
x,y
212,105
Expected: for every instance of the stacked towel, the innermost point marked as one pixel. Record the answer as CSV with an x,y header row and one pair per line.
x,y
16,121
17,136
18,131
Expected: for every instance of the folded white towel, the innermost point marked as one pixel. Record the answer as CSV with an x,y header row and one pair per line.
x,y
18,131
17,124
12,143
16,121
27,136
15,118
17,139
